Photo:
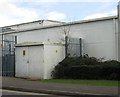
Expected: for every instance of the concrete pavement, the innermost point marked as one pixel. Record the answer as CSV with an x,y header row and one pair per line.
x,y
58,89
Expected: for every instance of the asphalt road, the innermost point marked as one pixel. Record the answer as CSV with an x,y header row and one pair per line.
x,y
7,93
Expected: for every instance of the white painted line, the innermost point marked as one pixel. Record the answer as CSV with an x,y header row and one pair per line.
x,y
23,93
81,93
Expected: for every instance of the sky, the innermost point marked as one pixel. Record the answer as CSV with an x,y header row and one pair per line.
x,y
21,11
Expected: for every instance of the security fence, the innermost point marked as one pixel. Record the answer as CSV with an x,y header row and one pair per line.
x,y
73,47
8,55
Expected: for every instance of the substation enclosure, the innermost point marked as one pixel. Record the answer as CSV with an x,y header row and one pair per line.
x,y
36,61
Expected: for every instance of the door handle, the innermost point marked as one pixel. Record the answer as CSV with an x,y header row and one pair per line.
x,y
27,61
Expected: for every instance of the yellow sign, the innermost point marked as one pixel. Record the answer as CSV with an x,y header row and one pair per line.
x,y
24,53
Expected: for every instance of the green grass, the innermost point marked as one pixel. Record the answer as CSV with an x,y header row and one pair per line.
x,y
83,82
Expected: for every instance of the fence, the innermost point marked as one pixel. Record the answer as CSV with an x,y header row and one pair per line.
x,y
73,47
8,55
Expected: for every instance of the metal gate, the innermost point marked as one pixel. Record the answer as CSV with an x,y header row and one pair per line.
x,y
8,55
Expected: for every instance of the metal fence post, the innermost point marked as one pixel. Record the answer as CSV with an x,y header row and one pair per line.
x,y
80,46
119,31
66,46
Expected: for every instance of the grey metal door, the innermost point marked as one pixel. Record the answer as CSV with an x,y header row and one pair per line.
x,y
8,55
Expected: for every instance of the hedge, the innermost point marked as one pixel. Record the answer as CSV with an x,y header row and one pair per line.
x,y
87,68
94,72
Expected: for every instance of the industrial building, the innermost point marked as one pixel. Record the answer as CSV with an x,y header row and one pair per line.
x,y
41,45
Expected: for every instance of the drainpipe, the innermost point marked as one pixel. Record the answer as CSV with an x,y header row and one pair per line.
x,y
115,40
118,30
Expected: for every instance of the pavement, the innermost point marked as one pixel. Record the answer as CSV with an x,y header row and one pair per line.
x,y
73,90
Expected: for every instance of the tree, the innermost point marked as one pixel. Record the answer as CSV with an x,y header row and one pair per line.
x,y
66,30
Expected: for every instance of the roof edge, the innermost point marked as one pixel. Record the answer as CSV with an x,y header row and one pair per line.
x,y
93,20
69,23
33,22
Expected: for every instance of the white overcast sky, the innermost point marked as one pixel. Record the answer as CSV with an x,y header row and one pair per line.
x,y
20,11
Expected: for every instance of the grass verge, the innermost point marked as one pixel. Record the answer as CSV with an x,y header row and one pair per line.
x,y
84,82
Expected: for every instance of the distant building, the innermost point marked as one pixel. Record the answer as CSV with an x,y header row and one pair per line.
x,y
41,44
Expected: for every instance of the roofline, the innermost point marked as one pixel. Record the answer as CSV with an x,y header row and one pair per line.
x,y
55,21
33,22
69,23
94,20
23,23
36,44
28,45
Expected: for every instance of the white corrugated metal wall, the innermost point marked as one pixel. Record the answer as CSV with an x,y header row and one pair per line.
x,y
99,37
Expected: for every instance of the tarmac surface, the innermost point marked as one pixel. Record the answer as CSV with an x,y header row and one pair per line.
x,y
73,90
20,93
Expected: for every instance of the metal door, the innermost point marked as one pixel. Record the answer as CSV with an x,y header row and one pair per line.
x,y
36,57
22,62
29,62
